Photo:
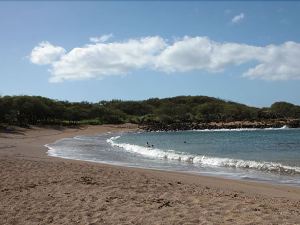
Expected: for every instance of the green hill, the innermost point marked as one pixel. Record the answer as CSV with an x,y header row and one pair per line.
x,y
181,112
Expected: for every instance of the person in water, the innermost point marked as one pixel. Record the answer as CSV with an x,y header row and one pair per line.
x,y
149,146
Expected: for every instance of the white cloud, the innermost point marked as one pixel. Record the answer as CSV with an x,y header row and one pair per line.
x,y
98,60
201,53
46,53
102,38
238,18
277,62
104,59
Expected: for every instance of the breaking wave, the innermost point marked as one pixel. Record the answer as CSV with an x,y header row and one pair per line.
x,y
203,160
244,129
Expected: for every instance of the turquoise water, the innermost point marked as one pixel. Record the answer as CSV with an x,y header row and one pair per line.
x,y
270,155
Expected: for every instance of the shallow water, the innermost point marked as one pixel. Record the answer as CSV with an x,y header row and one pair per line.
x,y
270,155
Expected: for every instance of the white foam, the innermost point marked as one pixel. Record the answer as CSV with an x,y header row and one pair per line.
x,y
202,159
243,129
51,151
149,152
79,138
246,164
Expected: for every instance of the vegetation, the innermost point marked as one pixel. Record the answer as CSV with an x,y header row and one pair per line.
x,y
36,110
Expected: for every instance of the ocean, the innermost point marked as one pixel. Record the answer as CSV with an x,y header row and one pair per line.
x,y
267,155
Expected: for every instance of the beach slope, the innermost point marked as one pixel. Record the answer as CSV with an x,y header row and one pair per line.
x,y
38,189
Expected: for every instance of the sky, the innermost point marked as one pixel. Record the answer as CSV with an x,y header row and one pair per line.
x,y
246,52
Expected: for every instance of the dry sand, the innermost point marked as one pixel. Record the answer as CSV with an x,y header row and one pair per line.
x,y
37,189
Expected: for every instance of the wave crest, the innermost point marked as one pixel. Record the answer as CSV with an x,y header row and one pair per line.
x,y
243,129
203,160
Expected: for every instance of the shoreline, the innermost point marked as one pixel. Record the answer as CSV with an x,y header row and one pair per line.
x,y
264,124
93,130
191,172
25,166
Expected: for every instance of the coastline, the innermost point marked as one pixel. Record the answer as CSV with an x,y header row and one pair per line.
x,y
264,124
34,189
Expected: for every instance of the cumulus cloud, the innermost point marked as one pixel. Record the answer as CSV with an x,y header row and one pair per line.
x,y
277,63
46,53
238,18
201,53
104,59
102,38
98,60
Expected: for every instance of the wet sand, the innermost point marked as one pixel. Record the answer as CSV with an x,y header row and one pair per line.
x,y
38,189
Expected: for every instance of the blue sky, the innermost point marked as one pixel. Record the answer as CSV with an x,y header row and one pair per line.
x,y
269,30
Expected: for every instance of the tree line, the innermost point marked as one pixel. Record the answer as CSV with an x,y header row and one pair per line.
x,y
37,110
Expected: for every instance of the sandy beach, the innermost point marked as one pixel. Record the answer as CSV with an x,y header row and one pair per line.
x,y
38,189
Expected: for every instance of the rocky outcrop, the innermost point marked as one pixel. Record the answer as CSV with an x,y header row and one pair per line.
x,y
292,123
